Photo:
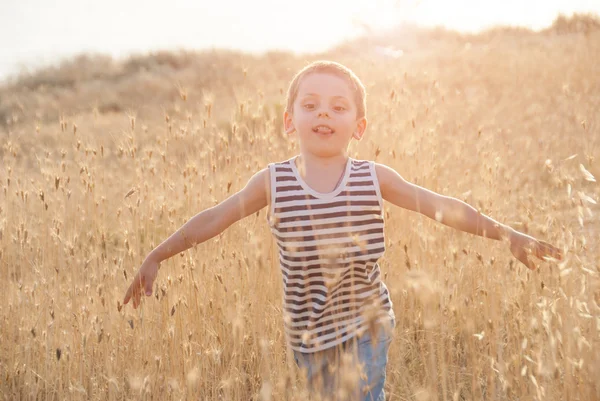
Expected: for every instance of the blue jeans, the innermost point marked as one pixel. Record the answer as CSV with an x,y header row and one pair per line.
x,y
354,370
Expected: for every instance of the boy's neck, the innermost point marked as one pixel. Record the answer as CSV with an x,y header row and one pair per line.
x,y
321,172
308,159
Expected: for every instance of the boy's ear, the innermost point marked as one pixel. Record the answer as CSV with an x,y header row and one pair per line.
x,y
361,127
288,123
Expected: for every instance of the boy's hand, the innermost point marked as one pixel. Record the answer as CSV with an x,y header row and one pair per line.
x,y
522,245
142,281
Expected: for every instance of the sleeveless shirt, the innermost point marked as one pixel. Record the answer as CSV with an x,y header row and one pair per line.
x,y
329,245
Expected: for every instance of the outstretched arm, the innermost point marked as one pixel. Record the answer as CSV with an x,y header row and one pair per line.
x,y
458,214
204,226
213,221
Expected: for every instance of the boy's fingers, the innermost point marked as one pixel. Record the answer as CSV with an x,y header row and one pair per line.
x,y
521,254
545,249
555,252
148,286
138,291
136,298
130,293
133,290
127,296
527,262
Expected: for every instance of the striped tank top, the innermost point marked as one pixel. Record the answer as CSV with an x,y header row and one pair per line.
x,y
329,245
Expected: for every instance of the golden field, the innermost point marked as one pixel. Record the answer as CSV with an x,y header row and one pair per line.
x,y
103,159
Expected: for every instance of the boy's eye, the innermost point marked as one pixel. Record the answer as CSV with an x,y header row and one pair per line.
x,y
339,108
309,106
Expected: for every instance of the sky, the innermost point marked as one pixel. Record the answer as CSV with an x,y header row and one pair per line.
x,y
38,32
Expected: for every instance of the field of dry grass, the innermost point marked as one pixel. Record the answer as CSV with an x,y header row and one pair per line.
x,y
102,160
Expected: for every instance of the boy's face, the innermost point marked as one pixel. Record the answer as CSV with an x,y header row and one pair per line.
x,y
324,115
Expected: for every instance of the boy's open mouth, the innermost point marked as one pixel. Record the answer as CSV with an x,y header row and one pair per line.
x,y
323,129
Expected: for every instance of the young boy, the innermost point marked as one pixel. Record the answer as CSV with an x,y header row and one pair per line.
x,y
326,214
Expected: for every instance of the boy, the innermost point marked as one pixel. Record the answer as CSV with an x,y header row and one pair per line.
x,y
326,214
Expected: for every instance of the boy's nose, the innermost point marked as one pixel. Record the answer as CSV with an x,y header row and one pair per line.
x,y
323,113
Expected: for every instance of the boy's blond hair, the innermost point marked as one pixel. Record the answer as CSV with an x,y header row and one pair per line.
x,y
337,69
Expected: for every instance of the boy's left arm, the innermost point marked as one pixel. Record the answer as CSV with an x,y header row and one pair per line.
x,y
458,214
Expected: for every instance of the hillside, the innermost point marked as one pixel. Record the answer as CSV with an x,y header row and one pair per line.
x,y
144,83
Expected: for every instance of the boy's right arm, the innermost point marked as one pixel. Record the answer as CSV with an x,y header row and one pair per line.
x,y
204,226
215,220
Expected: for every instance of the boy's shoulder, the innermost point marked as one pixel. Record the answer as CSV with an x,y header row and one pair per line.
x,y
281,162
375,165
361,161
